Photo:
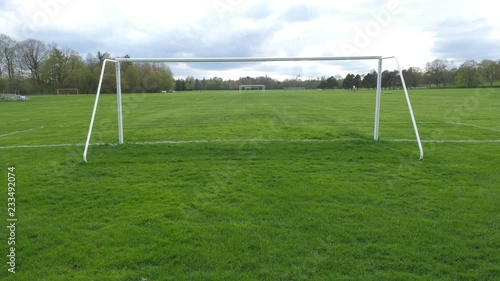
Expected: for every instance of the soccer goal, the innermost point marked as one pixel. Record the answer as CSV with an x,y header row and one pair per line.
x,y
118,61
252,88
68,91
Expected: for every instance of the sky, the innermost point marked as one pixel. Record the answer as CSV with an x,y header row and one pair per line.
x,y
416,31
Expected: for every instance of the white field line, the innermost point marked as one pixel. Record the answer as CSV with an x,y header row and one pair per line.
x,y
240,141
444,141
23,131
51,145
475,126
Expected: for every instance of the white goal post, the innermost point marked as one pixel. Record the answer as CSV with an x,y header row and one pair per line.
x,y
118,61
252,87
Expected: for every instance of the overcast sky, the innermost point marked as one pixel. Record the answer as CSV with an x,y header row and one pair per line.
x,y
417,31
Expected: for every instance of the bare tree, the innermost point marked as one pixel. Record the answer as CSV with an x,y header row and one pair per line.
x,y
7,55
437,71
190,83
31,55
91,61
102,56
413,76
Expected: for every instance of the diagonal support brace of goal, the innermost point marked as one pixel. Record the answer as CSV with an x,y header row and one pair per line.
x,y
118,61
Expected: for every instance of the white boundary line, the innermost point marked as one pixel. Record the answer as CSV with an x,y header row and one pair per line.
x,y
445,141
23,131
474,126
50,145
240,141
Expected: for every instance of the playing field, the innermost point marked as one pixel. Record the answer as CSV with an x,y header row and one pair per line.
x,y
276,186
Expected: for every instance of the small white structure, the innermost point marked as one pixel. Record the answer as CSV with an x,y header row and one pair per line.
x,y
12,97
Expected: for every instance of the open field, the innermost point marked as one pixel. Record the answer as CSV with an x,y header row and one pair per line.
x,y
275,186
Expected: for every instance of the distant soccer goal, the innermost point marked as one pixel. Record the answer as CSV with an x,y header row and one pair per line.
x,y
252,87
68,91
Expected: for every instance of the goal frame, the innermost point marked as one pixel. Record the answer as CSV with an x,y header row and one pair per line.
x,y
244,87
118,61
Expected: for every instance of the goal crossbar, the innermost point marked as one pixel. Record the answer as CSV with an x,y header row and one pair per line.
x,y
118,61
244,59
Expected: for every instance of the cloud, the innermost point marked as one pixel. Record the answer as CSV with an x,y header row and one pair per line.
x,y
302,13
465,39
420,31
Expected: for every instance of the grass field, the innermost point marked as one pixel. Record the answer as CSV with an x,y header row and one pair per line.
x,y
275,186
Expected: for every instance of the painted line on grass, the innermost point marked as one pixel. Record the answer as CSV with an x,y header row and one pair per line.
x,y
474,126
52,145
239,141
168,142
23,131
444,141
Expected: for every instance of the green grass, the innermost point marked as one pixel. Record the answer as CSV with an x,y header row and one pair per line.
x,y
244,196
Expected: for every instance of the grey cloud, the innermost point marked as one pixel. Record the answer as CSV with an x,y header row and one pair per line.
x,y
214,41
463,39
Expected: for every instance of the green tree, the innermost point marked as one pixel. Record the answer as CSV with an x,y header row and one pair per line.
x,y
157,77
92,62
132,79
53,71
390,79
102,56
197,85
125,65
190,83
357,81
214,83
468,74
348,81
180,85
330,83
63,69
489,70
413,76
108,80
77,74
370,80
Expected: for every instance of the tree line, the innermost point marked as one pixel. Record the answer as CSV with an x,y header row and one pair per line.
x,y
34,67
438,73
